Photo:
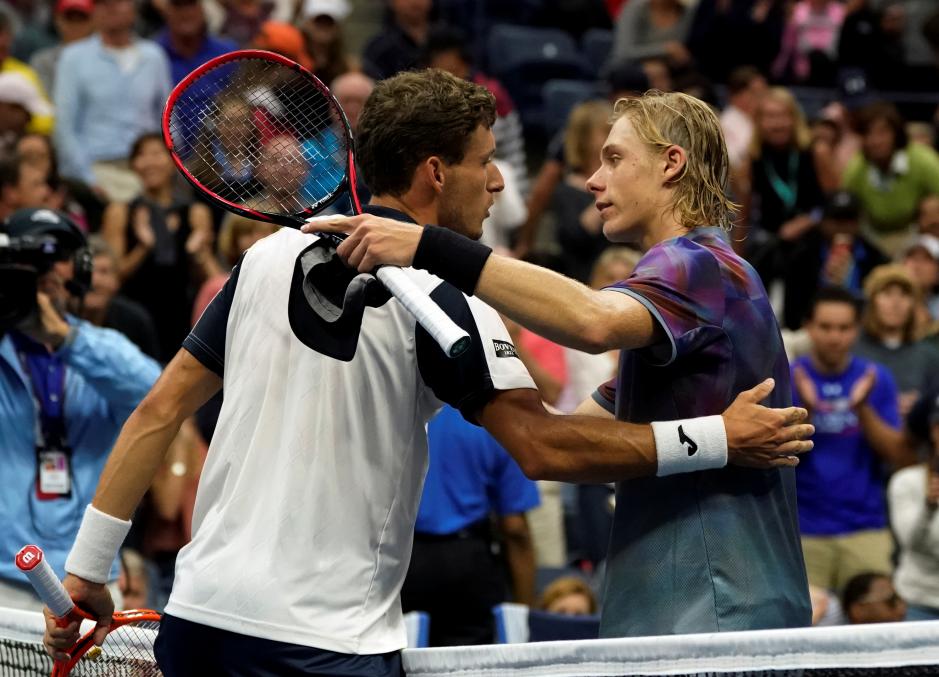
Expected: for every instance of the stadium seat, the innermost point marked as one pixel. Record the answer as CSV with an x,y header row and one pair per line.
x,y
418,629
524,58
596,45
516,623
560,97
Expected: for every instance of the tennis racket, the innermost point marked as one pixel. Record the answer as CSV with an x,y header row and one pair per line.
x,y
261,136
128,647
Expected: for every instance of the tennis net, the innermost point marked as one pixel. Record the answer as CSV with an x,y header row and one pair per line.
x,y
894,650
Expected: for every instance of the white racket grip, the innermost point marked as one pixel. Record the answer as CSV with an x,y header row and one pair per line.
x,y
448,334
31,561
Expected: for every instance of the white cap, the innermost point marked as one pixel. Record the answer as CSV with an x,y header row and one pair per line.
x,y
928,242
336,9
19,89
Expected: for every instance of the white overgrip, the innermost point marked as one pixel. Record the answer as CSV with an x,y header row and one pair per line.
x,y
47,585
448,334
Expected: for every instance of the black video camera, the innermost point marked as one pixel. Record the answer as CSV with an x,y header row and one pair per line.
x,y
23,260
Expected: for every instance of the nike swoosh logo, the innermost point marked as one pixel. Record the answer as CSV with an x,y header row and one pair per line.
x,y
684,439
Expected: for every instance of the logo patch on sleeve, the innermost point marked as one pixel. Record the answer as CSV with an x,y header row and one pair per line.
x,y
504,348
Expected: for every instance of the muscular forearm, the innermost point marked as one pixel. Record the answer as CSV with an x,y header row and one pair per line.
x,y
556,307
574,448
134,462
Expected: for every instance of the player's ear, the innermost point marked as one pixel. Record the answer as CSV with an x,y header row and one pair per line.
x,y
434,173
675,163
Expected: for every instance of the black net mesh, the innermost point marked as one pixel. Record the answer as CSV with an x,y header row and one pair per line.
x,y
262,135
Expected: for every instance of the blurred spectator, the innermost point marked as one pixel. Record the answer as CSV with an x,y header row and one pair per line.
x,y
826,607
835,150
22,185
72,23
454,575
574,16
871,598
244,18
42,123
65,390
890,176
322,28
71,196
921,260
624,81
397,47
163,241
927,215
922,133
833,255
352,91
282,169
913,494
447,48
781,194
745,87
890,334
104,306
285,40
808,53
21,105
917,13
853,405
579,226
133,580
568,595
873,41
753,27
652,29
186,39
110,89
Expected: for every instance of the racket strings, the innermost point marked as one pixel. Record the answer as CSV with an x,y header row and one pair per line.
x,y
261,135
127,651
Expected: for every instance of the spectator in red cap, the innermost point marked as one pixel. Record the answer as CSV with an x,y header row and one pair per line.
x,y
285,40
72,22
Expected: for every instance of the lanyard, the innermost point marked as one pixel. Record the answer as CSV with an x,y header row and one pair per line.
x,y
50,426
788,191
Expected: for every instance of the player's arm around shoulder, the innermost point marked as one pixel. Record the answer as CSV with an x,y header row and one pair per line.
x,y
592,448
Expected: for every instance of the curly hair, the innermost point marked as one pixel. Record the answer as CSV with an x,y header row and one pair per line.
x,y
663,119
413,116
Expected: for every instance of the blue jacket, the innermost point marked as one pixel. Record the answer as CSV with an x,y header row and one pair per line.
x,y
106,377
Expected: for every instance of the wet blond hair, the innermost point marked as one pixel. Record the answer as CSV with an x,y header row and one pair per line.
x,y
663,119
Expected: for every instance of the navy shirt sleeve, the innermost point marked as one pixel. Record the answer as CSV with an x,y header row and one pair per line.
x,y
206,341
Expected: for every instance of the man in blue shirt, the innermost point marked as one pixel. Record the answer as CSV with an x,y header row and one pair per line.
x,y
186,40
66,388
454,575
109,90
840,485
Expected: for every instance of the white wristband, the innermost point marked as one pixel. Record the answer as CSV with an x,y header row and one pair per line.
x,y
690,445
99,539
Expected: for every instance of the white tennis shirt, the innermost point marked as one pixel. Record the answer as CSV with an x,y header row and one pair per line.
x,y
305,510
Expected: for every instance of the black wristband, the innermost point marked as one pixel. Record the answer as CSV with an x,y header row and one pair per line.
x,y
451,256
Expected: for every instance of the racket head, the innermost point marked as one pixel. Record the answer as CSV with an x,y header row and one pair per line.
x,y
260,136
127,649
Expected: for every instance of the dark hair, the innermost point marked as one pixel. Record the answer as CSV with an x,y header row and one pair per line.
x,y
834,295
886,112
741,77
856,588
412,116
442,39
10,169
137,147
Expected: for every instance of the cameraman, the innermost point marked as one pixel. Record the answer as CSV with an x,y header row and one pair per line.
x,y
66,388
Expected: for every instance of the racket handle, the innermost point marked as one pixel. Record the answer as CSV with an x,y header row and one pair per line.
x,y
447,333
30,561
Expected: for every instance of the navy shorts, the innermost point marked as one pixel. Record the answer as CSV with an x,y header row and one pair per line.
x,y
187,649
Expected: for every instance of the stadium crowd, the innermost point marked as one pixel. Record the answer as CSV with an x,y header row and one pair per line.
x,y
830,111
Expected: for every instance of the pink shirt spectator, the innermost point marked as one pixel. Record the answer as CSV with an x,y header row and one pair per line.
x,y
813,26
549,355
